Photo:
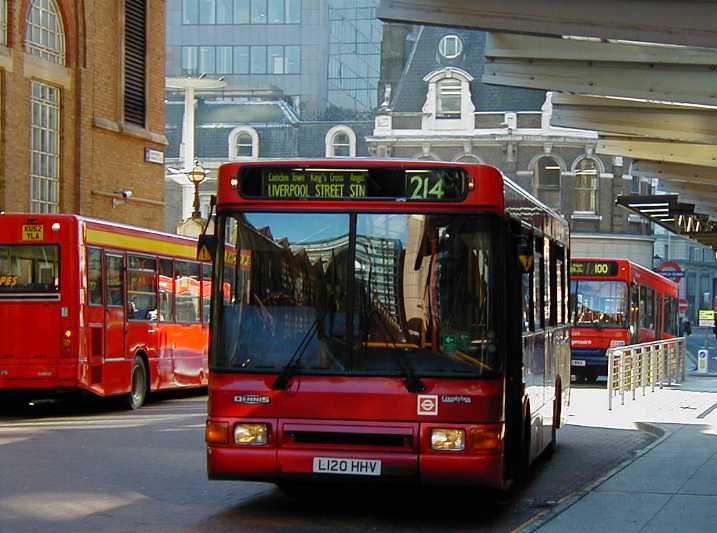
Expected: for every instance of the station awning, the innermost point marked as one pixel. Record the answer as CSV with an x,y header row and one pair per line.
x,y
684,22
642,74
668,211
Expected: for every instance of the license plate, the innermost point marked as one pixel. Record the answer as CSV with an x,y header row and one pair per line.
x,y
578,362
33,232
356,467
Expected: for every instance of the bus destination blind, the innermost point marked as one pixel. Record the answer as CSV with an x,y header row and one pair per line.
x,y
412,184
593,268
307,184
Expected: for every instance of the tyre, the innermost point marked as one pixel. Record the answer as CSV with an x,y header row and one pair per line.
x,y
557,408
138,386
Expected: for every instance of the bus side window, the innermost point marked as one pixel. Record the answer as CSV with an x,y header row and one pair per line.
x,y
166,290
187,291
115,280
527,297
94,276
556,294
547,286
539,284
141,287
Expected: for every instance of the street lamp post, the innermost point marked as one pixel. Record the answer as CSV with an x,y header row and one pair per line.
x,y
197,175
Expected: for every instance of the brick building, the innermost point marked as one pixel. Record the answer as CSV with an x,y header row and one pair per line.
x,y
82,108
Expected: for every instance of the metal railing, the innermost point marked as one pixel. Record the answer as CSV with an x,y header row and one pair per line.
x,y
644,365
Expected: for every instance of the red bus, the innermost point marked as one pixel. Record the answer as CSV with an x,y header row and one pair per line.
x,y
388,321
616,302
101,307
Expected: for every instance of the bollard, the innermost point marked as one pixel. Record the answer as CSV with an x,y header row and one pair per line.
x,y
643,367
703,358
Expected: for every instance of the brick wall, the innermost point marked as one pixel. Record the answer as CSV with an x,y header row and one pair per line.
x,y
99,153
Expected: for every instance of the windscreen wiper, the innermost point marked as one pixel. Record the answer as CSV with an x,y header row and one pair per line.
x,y
282,380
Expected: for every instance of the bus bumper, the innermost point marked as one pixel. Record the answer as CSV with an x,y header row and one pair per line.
x,y
419,465
585,361
38,375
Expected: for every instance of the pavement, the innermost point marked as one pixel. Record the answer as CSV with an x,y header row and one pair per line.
x,y
667,487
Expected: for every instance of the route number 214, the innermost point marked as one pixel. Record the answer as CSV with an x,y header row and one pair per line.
x,y
425,187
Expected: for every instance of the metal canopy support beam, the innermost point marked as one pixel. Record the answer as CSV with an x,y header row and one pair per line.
x,y
685,22
675,173
640,71
659,150
627,117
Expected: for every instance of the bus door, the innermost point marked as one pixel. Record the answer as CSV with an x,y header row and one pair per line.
x,y
115,367
634,314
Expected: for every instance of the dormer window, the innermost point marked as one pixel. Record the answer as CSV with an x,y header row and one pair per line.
x,y
449,104
450,46
449,99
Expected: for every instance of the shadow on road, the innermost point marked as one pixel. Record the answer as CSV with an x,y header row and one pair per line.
x,y
80,403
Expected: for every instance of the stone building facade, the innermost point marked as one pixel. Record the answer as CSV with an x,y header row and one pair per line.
x,y
250,128
437,108
82,108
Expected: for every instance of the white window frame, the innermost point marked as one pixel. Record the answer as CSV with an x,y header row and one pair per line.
x,y
465,120
35,30
44,183
595,189
453,40
330,139
234,138
3,23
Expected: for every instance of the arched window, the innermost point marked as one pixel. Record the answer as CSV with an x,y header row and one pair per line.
x,y
243,143
467,157
44,33
340,142
546,176
586,180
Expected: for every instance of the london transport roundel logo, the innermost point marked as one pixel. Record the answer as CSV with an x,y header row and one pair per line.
x,y
427,404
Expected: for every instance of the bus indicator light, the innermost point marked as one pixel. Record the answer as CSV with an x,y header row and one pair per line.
x,y
217,432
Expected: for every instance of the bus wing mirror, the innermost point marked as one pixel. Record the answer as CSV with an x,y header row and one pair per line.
x,y
206,247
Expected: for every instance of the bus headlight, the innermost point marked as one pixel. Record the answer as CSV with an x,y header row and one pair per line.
x,y
251,434
448,439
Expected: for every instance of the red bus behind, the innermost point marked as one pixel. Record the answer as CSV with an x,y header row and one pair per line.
x,y
616,302
110,309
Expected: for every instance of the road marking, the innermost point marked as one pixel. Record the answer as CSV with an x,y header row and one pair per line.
x,y
707,411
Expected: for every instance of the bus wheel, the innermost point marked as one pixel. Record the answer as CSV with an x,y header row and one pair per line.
x,y
138,388
557,406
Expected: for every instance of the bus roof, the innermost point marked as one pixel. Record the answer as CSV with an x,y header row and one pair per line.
x,y
114,234
489,190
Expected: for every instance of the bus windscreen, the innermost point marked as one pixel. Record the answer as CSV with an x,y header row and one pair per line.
x,y
599,303
323,183
29,268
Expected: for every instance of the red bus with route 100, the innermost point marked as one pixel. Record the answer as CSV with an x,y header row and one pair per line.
x,y
96,306
616,302
387,321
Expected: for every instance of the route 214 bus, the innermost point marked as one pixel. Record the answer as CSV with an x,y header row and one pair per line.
x,y
616,302
389,321
101,307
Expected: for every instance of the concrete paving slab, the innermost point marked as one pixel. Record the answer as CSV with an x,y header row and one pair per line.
x,y
608,511
685,514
